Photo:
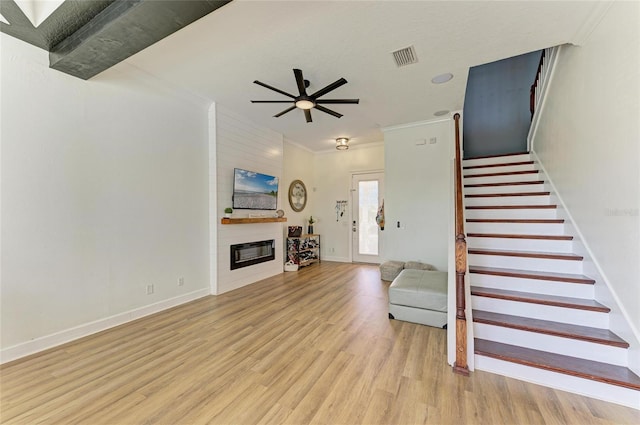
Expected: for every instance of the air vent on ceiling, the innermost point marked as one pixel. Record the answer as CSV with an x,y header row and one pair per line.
x,y
405,56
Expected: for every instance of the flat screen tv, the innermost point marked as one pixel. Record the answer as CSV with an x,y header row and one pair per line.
x,y
254,191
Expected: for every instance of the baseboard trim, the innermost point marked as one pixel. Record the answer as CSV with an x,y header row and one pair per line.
x,y
337,259
49,341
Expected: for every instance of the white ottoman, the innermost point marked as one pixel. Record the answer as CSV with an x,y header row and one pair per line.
x,y
419,296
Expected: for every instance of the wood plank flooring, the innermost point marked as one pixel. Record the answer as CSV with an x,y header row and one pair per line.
x,y
307,347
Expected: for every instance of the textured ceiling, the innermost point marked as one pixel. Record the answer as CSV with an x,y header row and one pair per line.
x,y
219,56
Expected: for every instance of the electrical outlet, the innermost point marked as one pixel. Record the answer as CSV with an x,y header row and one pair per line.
x,y
181,281
332,250
150,289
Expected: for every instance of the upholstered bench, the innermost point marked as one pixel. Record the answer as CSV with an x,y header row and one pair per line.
x,y
419,296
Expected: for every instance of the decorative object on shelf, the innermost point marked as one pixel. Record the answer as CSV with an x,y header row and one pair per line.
x,y
227,212
280,213
341,207
295,231
342,143
297,195
380,216
310,228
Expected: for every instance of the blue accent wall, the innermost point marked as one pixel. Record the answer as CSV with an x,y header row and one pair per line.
x,y
496,106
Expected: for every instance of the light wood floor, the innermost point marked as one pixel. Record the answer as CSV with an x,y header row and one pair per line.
x,y
310,347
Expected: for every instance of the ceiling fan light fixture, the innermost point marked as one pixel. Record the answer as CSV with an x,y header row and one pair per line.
x,y
342,143
304,104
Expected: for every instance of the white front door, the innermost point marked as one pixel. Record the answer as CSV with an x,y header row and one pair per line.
x,y
366,190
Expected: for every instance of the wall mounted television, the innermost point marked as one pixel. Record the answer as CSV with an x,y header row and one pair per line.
x,y
254,191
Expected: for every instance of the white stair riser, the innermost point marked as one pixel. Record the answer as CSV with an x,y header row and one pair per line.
x,y
561,289
500,169
515,228
507,178
523,263
573,316
540,245
586,387
552,344
519,213
508,200
496,160
516,188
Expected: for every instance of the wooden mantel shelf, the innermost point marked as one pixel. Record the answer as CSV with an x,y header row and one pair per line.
x,y
250,220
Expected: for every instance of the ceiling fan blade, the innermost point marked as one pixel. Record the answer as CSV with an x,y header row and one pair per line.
x,y
300,82
284,112
329,88
307,115
271,101
274,89
334,101
328,111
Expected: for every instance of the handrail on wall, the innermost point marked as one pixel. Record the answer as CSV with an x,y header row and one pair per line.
x,y
460,366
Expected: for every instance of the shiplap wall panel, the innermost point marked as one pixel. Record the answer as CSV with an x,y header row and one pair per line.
x,y
239,143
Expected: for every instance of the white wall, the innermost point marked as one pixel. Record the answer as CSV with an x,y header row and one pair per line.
x,y
298,165
417,192
332,179
104,191
240,143
588,141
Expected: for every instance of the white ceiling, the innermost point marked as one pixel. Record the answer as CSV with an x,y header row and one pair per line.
x,y
219,56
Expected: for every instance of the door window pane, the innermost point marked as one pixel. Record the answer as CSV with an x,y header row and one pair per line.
x,y
368,208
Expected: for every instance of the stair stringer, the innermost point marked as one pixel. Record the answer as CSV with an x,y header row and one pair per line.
x,y
619,322
572,384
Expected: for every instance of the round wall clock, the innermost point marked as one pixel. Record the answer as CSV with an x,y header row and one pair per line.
x,y
297,195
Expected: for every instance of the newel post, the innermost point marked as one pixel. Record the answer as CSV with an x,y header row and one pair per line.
x,y
460,366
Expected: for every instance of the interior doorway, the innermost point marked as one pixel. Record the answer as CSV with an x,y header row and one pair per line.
x,y
367,190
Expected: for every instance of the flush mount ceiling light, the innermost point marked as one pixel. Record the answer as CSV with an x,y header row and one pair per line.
x,y
442,78
342,143
441,113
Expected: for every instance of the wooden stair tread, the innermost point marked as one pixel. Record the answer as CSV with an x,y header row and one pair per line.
x,y
511,207
517,220
505,184
564,330
588,369
543,299
497,156
504,164
536,275
506,173
514,236
493,195
526,254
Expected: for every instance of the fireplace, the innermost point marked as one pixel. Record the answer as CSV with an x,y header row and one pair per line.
x,y
248,254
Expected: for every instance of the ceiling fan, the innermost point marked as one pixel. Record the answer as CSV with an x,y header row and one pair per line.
x,y
306,101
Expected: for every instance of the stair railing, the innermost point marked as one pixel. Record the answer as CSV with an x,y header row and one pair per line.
x,y
460,366
538,90
535,93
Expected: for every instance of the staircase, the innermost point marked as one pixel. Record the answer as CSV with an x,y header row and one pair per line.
x,y
534,313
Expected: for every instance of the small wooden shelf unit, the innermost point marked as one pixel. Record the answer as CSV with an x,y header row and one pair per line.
x,y
303,250
250,220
